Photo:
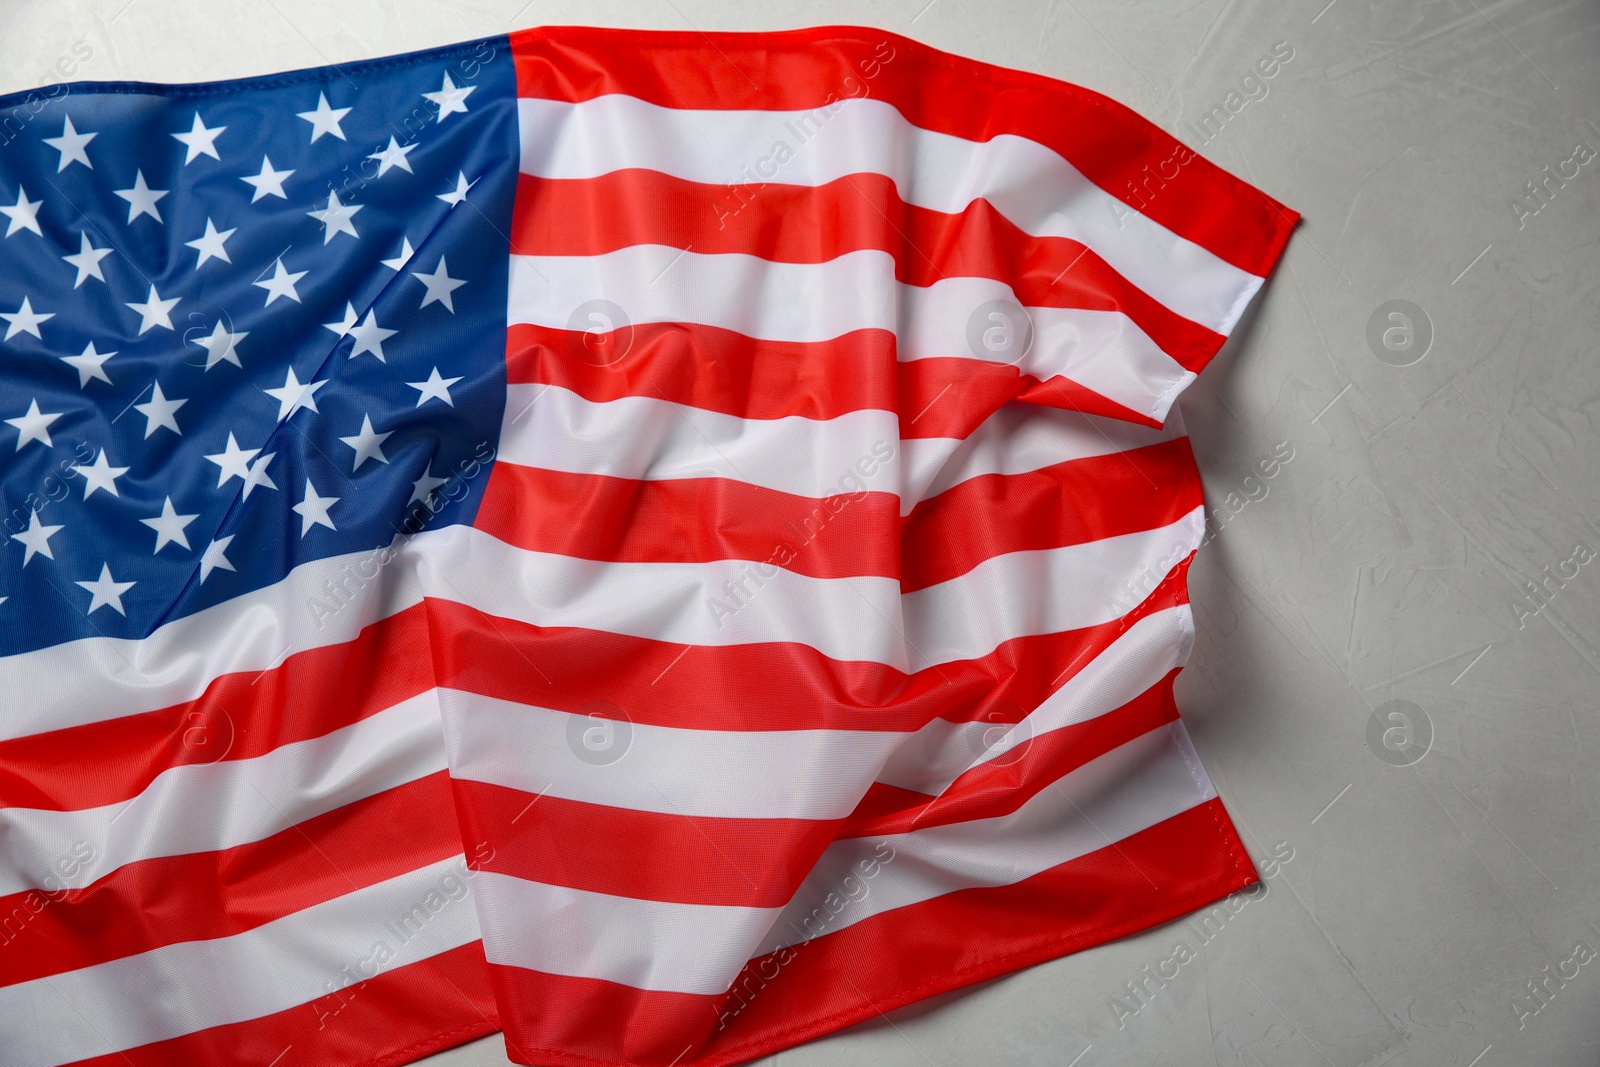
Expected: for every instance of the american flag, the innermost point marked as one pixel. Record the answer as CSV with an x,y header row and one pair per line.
x,y
662,544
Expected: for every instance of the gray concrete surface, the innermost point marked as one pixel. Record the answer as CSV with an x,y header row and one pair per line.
x,y
1419,884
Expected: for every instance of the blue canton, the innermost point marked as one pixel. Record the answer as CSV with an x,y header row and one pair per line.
x,y
243,326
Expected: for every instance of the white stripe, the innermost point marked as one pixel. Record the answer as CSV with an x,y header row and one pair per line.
x,y
736,774
646,944
843,618
101,678
1129,789
195,985
807,302
939,753
1017,439
1024,593
651,439
1026,182
215,806
746,294
1005,597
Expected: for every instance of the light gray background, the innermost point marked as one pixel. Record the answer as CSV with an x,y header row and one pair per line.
x,y
1384,562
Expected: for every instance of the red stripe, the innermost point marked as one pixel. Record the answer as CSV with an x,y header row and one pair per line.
x,y
200,896
1114,147
805,224
696,520
620,520
398,1017
755,863
759,379
882,962
753,379
1029,765
239,716
1068,503
708,688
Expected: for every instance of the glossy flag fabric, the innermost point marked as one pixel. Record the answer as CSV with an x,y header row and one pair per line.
x,y
665,545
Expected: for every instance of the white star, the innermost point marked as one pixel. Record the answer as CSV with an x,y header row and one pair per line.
x,y
336,217
422,489
440,286
24,215
106,592
258,476
458,194
281,284
199,140
295,395
450,99
100,476
313,510
324,119
403,258
233,462
87,260
368,445
90,365
141,198
214,558
220,345
160,412
25,319
343,326
435,388
169,526
154,311
70,144
370,337
34,425
209,245
393,156
36,539
269,182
